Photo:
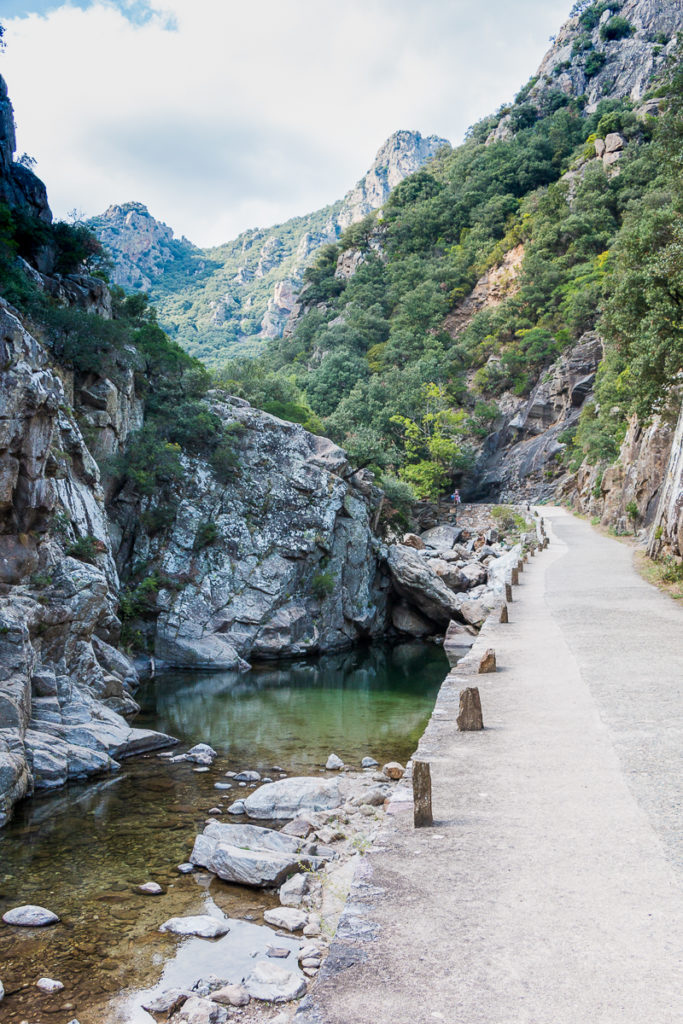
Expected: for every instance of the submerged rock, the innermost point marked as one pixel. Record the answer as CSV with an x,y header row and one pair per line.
x,y
201,754
203,925
273,983
49,985
289,797
30,916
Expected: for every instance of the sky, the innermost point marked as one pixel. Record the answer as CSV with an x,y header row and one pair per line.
x,y
223,115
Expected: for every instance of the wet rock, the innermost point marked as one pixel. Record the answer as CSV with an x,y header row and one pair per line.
x,y
334,763
203,925
49,985
30,916
167,1002
250,855
231,995
369,762
222,785
407,620
293,890
248,777
185,868
151,889
394,770
2,991
488,661
237,807
201,754
289,918
288,797
277,952
273,983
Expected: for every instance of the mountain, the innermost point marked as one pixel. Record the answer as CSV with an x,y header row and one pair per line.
x,y
220,301
507,325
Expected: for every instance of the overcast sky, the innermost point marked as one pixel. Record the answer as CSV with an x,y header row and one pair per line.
x,y
222,115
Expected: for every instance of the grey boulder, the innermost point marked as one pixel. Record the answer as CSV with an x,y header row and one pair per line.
x,y
249,855
415,579
289,797
203,925
30,916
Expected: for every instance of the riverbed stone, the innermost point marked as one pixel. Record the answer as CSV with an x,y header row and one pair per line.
x,y
250,855
197,1010
2,991
49,985
293,890
201,754
237,807
231,995
286,798
273,983
394,770
290,918
201,924
248,777
373,797
167,1002
30,916
369,762
334,763
300,827
150,889
186,868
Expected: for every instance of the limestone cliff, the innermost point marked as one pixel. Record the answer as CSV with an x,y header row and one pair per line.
x,y
219,301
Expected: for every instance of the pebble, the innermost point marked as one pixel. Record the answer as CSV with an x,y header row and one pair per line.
x,y
276,768
30,916
215,810
230,775
369,762
186,868
200,771
151,889
222,785
201,924
248,777
237,807
334,763
49,985
311,961
394,770
277,951
242,785
286,917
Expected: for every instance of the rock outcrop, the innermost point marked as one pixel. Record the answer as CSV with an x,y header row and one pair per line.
x,y
666,537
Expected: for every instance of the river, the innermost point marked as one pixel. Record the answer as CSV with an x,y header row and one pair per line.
x,y
83,851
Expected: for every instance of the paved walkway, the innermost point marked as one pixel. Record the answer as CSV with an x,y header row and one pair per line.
x,y
547,891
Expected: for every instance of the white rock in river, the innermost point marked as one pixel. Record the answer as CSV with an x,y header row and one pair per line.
x,y
273,983
231,995
250,855
202,754
369,762
185,868
334,763
293,890
49,985
150,889
237,807
201,1011
248,777
30,916
201,924
2,991
288,797
290,918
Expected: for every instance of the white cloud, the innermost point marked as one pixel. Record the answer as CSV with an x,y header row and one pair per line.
x,y
221,115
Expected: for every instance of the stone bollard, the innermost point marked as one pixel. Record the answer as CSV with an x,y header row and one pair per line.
x,y
504,611
520,565
422,794
508,592
514,576
546,542
470,718
487,662
532,552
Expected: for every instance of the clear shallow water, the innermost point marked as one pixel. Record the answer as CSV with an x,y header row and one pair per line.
x,y
83,851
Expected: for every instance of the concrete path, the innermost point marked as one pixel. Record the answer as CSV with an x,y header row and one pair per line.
x,y
547,891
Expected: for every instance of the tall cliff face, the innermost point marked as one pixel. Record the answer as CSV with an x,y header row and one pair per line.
x,y
610,50
217,302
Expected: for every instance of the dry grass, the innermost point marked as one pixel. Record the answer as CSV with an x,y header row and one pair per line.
x,y
659,575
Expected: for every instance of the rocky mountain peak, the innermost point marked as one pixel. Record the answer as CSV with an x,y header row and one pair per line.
x,y
609,49
139,243
402,154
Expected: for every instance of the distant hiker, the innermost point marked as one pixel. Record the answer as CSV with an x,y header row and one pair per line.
x,y
455,498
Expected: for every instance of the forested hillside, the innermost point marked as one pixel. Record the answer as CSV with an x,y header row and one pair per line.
x,y
579,207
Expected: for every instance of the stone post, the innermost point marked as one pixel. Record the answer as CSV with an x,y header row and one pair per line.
x,y
504,610
422,794
508,592
514,576
470,718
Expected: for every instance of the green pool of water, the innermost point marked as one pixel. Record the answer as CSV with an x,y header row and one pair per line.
x,y
83,851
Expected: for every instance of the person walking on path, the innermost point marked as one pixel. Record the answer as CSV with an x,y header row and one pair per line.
x,y
455,498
